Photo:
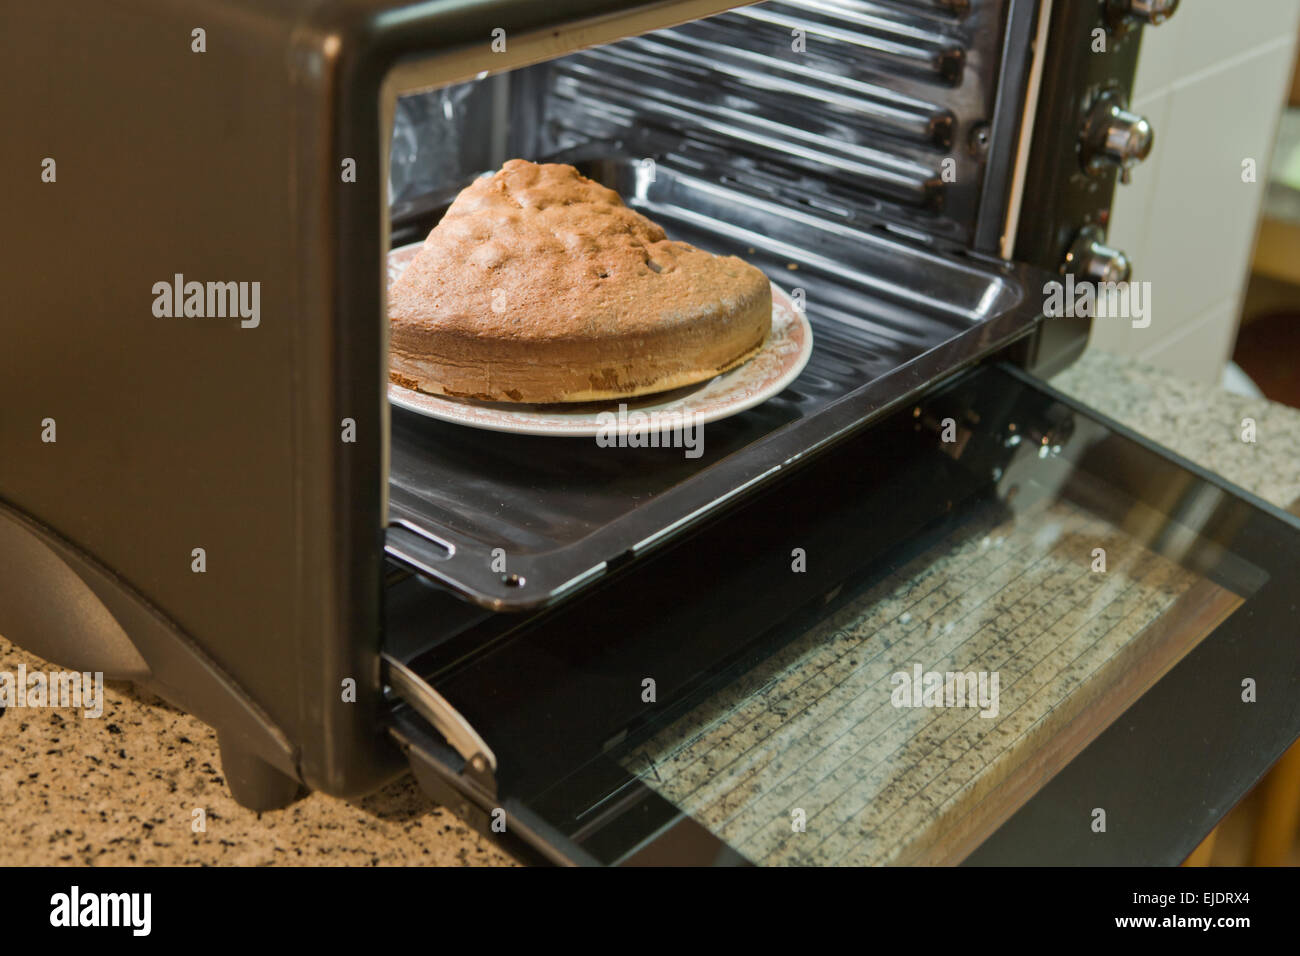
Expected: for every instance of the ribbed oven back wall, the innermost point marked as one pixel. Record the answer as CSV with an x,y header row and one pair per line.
x,y
865,110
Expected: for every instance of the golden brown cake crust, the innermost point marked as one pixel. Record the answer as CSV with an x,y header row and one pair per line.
x,y
539,285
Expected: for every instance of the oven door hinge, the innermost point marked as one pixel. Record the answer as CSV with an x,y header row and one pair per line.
x,y
480,761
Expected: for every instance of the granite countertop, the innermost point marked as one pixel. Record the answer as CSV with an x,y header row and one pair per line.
x,y
122,788
1201,423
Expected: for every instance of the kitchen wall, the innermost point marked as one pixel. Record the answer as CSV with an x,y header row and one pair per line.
x,y
1212,80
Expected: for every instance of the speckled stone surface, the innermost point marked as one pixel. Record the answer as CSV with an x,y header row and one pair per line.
x,y
1200,423
122,789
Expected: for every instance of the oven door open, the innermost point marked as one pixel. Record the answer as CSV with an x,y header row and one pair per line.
x,y
956,636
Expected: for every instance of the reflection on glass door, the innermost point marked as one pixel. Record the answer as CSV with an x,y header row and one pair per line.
x,y
909,725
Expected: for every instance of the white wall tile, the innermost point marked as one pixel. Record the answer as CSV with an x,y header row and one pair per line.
x,y
1201,348
1205,33
1188,221
1201,215
1161,58
1211,31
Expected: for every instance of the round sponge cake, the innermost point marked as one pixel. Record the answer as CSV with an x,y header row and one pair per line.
x,y
540,285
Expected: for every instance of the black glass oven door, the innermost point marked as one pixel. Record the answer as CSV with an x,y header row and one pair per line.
x,y
956,636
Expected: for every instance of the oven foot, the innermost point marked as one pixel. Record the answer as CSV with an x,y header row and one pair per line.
x,y
253,782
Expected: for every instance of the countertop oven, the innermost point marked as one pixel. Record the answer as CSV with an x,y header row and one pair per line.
x,y
609,655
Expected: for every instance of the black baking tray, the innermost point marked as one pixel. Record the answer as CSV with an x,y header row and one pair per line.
x,y
514,522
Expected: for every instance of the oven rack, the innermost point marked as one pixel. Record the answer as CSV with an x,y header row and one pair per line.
x,y
512,522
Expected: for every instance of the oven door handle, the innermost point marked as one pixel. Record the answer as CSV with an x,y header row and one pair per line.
x,y
480,761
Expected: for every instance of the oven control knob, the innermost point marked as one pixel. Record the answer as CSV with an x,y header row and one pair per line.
x,y
1091,260
1153,12
1114,137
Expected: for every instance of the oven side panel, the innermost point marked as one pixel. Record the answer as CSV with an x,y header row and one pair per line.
x,y
194,462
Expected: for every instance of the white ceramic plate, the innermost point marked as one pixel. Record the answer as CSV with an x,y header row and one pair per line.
x,y
778,363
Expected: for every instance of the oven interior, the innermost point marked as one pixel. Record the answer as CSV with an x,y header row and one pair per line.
x,y
848,149
866,155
